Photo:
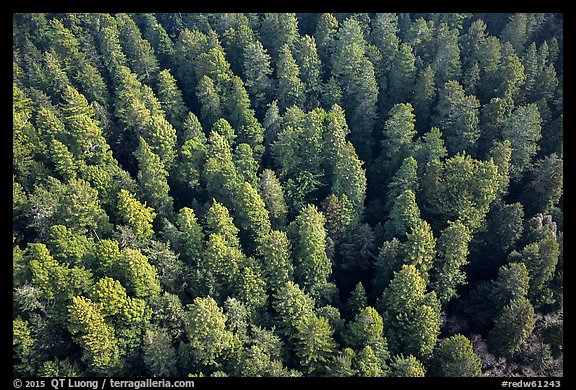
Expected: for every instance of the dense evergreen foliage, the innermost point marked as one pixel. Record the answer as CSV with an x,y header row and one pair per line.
x,y
287,194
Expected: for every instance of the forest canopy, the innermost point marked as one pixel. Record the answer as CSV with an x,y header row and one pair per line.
x,y
287,194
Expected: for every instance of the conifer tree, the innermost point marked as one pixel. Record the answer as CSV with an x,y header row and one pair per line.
x,y
171,99
411,315
512,328
398,134
454,357
94,335
402,75
325,30
523,129
191,236
407,367
277,30
209,339
457,116
152,178
452,256
258,72
274,251
290,88
272,194
446,63
308,236
137,215
310,70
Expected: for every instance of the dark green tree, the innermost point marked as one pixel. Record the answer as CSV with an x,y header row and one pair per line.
x,y
209,340
258,72
292,306
159,354
325,31
308,237
171,99
306,56
454,356
355,75
412,316
291,90
407,367
402,75
452,256
191,237
523,129
272,194
545,186
458,117
424,96
512,328
314,342
152,178
397,140
138,50
274,251
405,215
277,30
446,62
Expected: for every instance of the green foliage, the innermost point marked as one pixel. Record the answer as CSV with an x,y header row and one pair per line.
x,y
23,344
257,71
452,257
190,235
454,357
287,194
402,74
252,215
278,29
96,338
272,194
274,251
206,331
411,315
512,328
219,170
397,137
357,301
469,187
545,187
290,87
458,117
292,305
355,75
447,60
80,209
310,70
55,280
409,367
139,276
152,178
314,342
218,221
159,354
308,236
541,258
136,215
419,248
522,129
171,99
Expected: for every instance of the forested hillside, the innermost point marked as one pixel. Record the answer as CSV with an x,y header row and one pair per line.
x,y
287,194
